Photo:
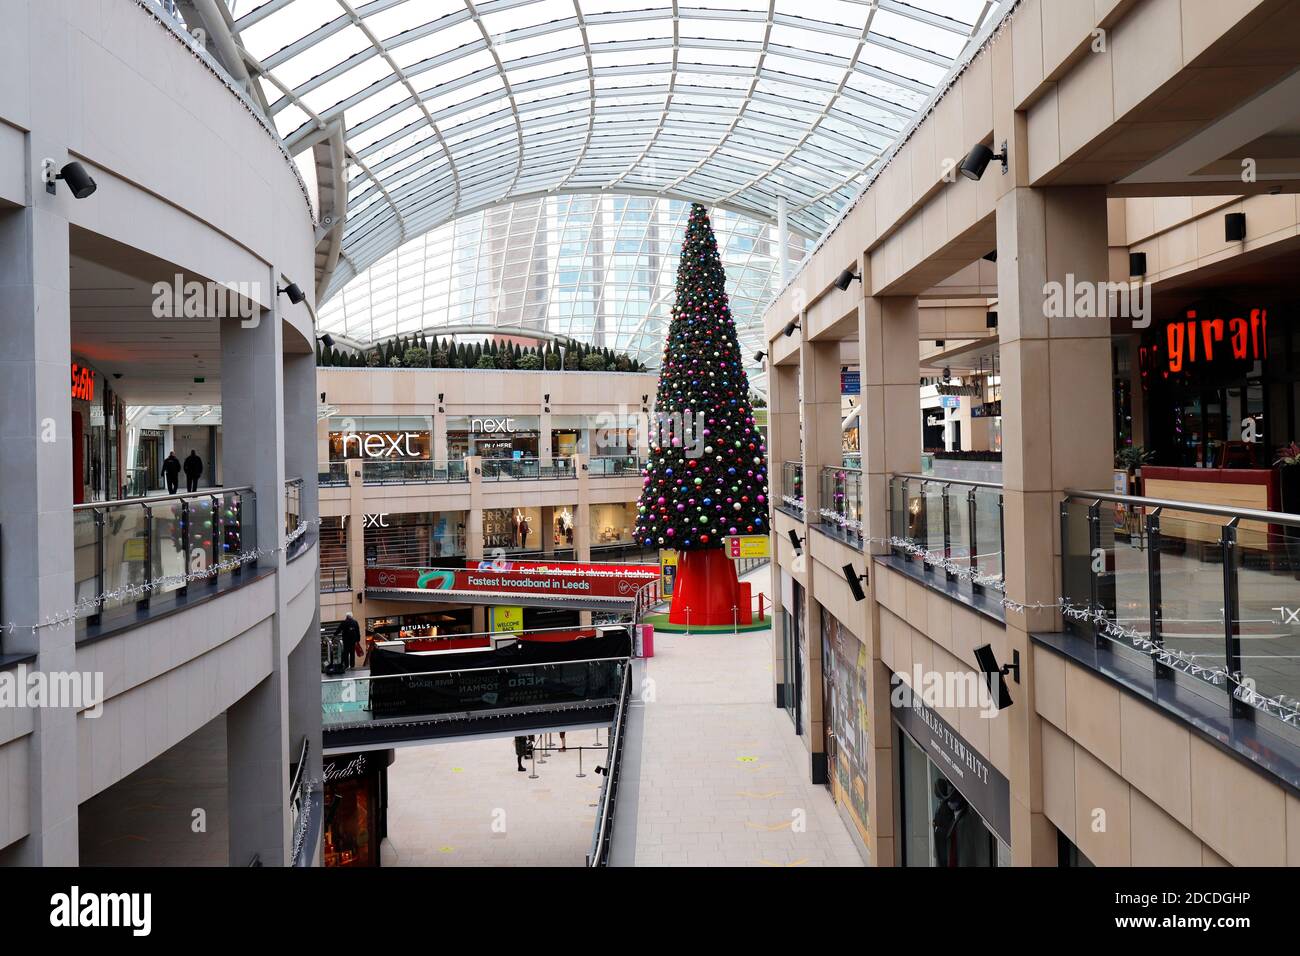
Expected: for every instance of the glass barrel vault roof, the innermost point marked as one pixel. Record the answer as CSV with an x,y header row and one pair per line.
x,y
451,106
599,268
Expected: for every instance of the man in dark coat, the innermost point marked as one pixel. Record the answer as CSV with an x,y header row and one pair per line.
x,y
193,468
171,470
351,634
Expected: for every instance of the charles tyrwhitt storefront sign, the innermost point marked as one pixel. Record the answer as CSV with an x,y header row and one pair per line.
x,y
986,789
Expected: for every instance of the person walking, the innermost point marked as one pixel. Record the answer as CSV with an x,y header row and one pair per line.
x,y
171,470
523,748
350,631
193,468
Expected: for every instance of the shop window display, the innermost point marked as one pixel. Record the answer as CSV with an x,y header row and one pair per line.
x,y
846,676
425,539
940,828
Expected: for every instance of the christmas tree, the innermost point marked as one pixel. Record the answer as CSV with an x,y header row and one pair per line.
x,y
707,473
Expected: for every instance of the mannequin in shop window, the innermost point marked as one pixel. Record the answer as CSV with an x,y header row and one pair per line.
x,y
524,530
959,835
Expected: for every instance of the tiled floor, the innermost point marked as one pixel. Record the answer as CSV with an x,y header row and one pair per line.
x,y
723,779
465,804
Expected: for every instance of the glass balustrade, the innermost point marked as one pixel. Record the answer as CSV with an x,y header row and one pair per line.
x,y
411,471
792,487
134,551
840,511
351,700
1208,596
952,527
615,466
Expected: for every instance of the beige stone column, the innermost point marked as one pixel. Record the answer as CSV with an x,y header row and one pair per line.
x,y
1056,434
439,438
356,537
474,517
889,431
783,444
819,409
582,512
544,435
548,530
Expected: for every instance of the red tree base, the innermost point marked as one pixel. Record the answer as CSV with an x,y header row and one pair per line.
x,y
707,584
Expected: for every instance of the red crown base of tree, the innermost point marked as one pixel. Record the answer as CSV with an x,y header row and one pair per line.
x,y
707,584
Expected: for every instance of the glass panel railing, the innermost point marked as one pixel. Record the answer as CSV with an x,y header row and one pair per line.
x,y
557,468
352,700
86,565
332,474
415,471
960,504
334,579
900,518
1123,591
1206,593
168,545
792,485
133,551
930,532
953,526
125,546
840,512
1268,608
987,545
615,466
1076,561
1191,595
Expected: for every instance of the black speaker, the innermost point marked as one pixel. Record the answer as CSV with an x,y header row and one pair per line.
x,y
795,542
988,664
1137,263
990,320
1234,227
855,582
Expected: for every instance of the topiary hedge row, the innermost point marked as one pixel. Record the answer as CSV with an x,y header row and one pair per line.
x,y
416,351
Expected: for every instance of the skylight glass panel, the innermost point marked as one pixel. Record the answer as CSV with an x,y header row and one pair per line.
x,y
765,102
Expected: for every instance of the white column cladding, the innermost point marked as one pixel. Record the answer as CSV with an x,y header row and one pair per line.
x,y
257,726
783,239
439,436
303,663
36,504
544,434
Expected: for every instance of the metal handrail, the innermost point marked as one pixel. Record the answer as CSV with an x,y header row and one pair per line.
x,y
154,499
1219,511
609,793
469,670
944,480
411,567
515,634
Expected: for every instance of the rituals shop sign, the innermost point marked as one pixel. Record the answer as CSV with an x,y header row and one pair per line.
x,y
983,786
